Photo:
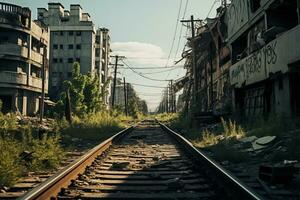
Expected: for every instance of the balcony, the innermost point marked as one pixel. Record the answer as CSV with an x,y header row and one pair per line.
x,y
17,15
37,57
276,56
13,78
35,82
14,50
20,79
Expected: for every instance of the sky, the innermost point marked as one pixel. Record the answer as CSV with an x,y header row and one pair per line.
x,y
143,31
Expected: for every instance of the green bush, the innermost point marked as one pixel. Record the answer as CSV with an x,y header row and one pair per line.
x,y
10,167
46,153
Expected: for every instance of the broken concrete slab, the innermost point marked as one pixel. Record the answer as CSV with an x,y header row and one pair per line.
x,y
248,139
265,140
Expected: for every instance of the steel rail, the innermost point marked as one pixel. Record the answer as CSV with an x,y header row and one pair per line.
x,y
63,178
233,187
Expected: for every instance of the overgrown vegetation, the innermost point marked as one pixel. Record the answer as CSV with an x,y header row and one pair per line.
x,y
94,127
21,150
220,138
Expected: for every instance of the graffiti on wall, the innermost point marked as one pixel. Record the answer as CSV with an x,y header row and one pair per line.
x,y
271,55
253,68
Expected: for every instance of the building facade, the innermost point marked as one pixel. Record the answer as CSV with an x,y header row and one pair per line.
x,y
23,57
102,52
74,38
265,74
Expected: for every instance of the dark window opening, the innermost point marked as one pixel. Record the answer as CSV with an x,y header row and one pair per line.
x,y
61,33
55,46
281,17
61,46
71,46
69,74
78,60
54,60
254,5
239,49
71,33
60,60
78,33
78,46
70,60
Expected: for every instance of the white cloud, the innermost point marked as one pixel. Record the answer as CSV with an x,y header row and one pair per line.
x,y
140,53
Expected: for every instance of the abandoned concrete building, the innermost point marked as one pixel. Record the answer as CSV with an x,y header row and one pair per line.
x,y
23,56
263,38
246,61
102,62
74,38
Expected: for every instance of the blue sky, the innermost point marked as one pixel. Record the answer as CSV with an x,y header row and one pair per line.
x,y
142,30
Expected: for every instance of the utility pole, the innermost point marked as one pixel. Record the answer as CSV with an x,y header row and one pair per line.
x,y
172,95
195,77
115,78
167,99
43,80
211,78
125,97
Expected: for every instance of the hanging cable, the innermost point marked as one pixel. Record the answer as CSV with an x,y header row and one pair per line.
x,y
140,74
175,33
151,86
180,34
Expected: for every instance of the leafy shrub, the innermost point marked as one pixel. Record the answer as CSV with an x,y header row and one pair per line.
x,y
10,168
47,153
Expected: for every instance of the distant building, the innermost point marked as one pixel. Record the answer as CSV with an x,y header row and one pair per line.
x,y
74,39
265,73
23,50
102,61
119,95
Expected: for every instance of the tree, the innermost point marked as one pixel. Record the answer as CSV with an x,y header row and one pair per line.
x,y
76,88
92,94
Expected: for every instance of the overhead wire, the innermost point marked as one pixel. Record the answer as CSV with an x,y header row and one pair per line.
x,y
175,33
151,86
175,66
141,74
180,34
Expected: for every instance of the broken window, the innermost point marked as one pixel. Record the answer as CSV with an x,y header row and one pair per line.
x,y
239,49
281,16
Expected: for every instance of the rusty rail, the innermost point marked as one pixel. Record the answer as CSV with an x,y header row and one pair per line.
x,y
231,184
63,178
224,181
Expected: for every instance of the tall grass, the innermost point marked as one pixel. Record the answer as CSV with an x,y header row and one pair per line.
x,y
95,127
15,138
10,167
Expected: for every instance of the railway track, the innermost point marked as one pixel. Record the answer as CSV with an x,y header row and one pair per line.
x,y
148,161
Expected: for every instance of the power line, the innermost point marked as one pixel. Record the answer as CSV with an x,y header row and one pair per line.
x,y
151,86
175,66
212,6
175,33
180,34
140,74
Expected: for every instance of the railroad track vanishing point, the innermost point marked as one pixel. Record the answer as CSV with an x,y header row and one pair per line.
x,y
147,161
